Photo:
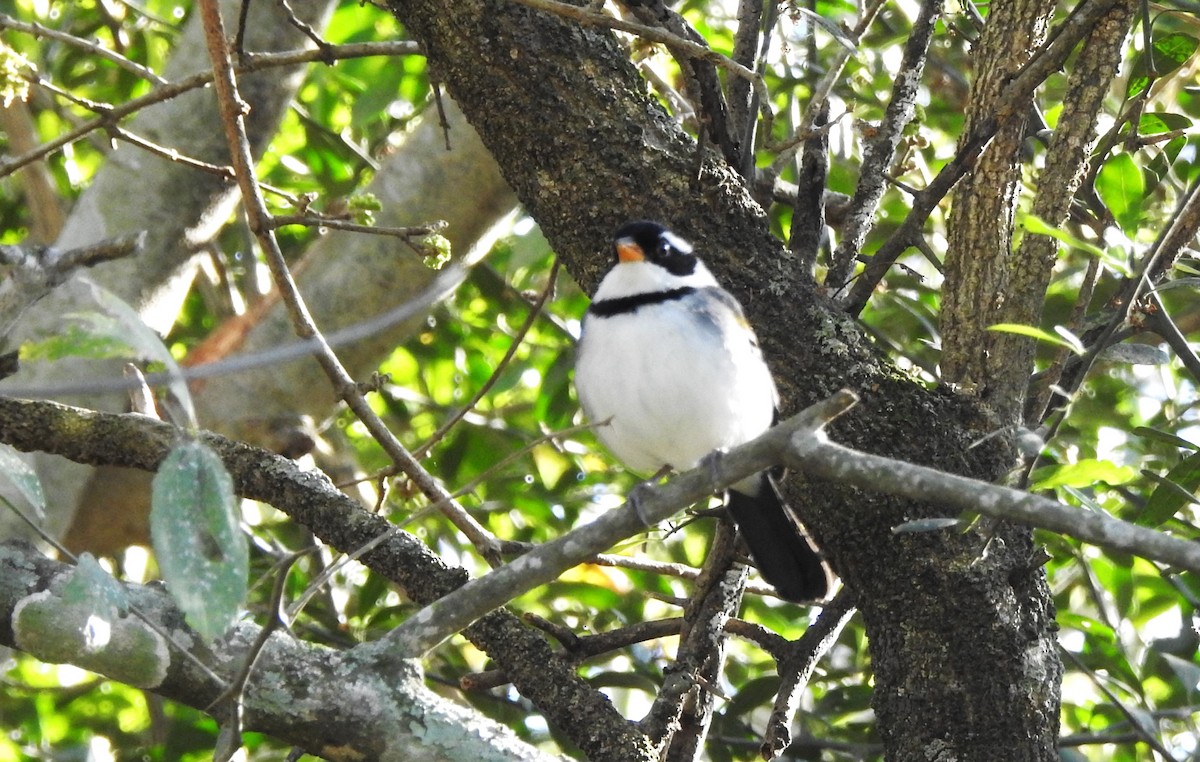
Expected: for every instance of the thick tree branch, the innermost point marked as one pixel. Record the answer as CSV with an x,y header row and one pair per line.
x,y
297,691
1066,162
309,498
140,442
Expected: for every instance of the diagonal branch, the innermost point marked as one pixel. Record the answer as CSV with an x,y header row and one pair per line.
x,y
309,498
880,150
233,115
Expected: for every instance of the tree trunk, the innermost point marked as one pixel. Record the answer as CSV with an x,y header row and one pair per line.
x,y
961,629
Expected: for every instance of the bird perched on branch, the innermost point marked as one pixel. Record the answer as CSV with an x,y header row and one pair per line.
x,y
669,361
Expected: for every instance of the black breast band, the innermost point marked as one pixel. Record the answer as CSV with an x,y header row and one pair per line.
x,y
628,304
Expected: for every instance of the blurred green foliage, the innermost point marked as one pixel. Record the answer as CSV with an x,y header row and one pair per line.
x,y
1126,446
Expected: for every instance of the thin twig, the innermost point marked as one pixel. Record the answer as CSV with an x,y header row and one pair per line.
x,y
880,150
232,110
1011,104
233,691
1143,733
1159,320
655,34
37,30
253,62
223,171
797,667
321,221
786,150
517,340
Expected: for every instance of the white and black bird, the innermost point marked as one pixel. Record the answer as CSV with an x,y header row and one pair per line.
x,y
667,358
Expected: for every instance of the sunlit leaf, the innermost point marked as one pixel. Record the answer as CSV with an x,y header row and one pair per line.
x,y
1122,188
1085,473
1040,335
195,528
77,340
1158,122
1114,259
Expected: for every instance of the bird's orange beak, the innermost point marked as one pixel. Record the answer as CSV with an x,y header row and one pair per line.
x,y
628,251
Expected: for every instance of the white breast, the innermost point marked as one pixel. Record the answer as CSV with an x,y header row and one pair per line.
x,y
675,386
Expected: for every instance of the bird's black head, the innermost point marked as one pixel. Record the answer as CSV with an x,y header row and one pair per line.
x,y
649,241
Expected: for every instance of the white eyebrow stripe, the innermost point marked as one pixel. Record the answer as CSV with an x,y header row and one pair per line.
x,y
676,242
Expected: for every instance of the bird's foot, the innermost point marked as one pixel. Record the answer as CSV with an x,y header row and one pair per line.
x,y
712,462
635,497
640,491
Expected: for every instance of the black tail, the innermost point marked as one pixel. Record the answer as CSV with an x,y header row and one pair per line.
x,y
782,553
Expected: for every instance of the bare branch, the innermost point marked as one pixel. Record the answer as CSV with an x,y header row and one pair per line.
x,y
233,120
797,667
37,30
253,62
880,150
822,458
655,503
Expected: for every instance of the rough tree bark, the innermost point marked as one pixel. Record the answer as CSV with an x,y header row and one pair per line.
x,y
962,639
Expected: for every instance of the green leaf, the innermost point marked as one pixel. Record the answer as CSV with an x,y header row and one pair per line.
x,y
1173,492
113,329
1114,259
1085,473
1122,188
1169,52
1158,122
1065,338
194,526
1165,437
90,582
434,250
22,476
78,340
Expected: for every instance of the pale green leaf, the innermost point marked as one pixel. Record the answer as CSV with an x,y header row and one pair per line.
x,y
17,472
194,526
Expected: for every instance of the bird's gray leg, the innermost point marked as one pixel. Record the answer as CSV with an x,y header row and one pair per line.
x,y
712,462
634,498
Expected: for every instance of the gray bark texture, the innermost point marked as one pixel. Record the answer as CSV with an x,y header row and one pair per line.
x,y
961,631
979,245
